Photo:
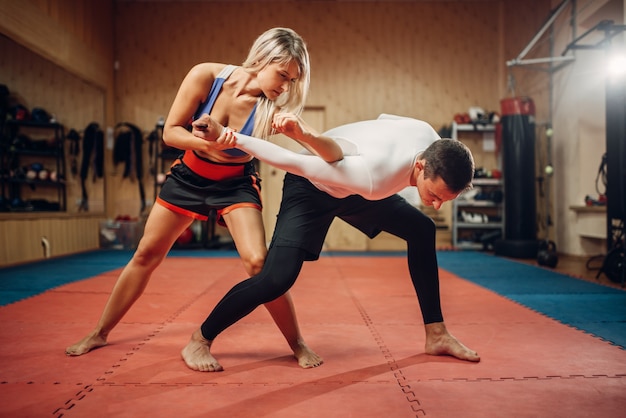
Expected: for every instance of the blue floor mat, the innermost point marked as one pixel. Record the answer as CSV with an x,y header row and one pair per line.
x,y
23,281
593,308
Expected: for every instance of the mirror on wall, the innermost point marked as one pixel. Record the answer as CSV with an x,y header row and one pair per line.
x,y
50,157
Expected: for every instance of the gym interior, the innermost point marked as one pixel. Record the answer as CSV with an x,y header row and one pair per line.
x,y
532,259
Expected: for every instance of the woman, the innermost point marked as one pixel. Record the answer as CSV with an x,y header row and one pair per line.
x,y
274,78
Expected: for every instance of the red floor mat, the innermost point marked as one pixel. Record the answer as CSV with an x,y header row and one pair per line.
x,y
360,314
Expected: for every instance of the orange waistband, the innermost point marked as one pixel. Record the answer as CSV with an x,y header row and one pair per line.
x,y
212,170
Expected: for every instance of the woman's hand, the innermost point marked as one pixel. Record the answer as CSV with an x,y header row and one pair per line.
x,y
218,137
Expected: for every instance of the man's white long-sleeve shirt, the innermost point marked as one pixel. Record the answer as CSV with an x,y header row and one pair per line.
x,y
379,157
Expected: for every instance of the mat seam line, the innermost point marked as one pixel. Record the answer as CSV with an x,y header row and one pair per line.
x,y
90,388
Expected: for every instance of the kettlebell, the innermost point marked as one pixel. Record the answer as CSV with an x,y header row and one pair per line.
x,y
546,255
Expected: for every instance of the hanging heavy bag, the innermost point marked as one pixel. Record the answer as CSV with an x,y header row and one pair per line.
x,y
547,256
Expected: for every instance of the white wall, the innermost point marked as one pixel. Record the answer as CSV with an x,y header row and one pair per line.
x,y
579,127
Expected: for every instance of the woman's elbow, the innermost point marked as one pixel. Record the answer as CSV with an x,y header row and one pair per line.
x,y
169,136
166,137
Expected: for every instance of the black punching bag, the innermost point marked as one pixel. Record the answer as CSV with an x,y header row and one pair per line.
x,y
518,167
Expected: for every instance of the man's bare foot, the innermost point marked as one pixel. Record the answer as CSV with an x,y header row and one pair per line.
x,y
306,357
90,342
439,342
197,354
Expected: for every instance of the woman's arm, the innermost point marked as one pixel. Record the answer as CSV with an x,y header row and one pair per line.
x,y
349,173
297,129
192,91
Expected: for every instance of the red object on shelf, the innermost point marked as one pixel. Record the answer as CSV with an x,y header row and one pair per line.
x,y
517,106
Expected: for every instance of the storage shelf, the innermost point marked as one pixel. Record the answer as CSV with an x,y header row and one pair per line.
x,y
469,127
471,225
477,204
469,245
487,182
475,235
41,147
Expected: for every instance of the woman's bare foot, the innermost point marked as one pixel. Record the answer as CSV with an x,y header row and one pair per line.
x,y
440,342
90,342
306,357
197,354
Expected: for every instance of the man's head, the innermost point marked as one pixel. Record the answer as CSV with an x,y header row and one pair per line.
x,y
444,169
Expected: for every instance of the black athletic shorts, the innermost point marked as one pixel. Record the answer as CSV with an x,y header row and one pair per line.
x,y
306,213
195,186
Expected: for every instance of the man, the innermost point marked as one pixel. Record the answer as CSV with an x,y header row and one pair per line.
x,y
380,158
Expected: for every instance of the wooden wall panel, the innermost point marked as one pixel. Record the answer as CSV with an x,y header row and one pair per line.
x,y
367,57
76,36
36,82
20,240
428,60
59,56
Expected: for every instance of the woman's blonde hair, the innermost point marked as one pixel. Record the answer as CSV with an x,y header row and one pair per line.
x,y
279,45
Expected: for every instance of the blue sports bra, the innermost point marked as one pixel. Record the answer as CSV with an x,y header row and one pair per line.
x,y
207,106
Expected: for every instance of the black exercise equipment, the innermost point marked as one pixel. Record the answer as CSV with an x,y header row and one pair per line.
x,y
128,149
93,157
547,254
518,166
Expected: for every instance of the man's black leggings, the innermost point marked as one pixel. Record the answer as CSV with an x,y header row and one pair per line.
x,y
283,265
279,273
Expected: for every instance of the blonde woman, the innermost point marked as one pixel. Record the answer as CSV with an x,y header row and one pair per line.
x,y
274,78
